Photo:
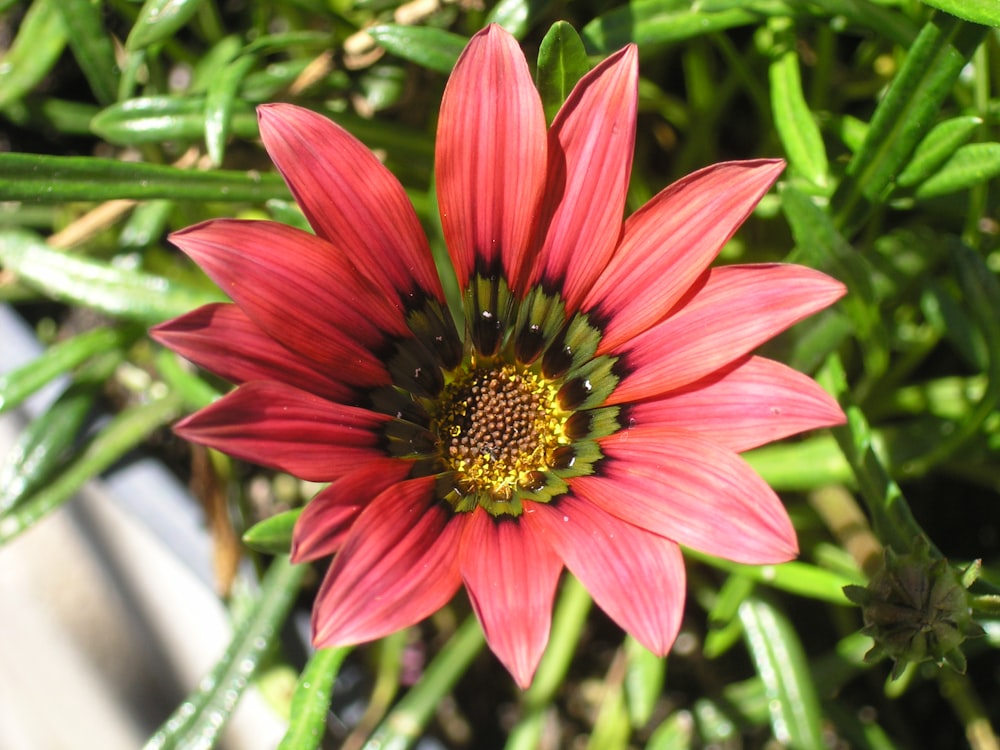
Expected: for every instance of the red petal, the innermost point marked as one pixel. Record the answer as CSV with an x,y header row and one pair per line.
x,y
292,285
511,575
275,425
681,486
756,403
350,198
490,156
670,241
737,310
325,521
220,338
635,576
398,565
591,143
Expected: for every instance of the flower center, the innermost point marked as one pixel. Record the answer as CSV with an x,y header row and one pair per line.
x,y
498,429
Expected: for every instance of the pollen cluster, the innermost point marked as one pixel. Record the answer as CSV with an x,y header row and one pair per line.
x,y
498,428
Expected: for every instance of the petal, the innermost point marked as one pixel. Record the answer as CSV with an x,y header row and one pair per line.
x,y
325,521
591,143
350,199
291,284
737,310
756,403
636,577
511,575
398,565
223,340
681,486
670,241
490,164
275,425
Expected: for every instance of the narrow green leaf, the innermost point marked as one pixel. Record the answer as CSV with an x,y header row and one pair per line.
x,y
36,48
652,23
986,12
81,281
311,700
55,179
405,722
219,104
794,121
800,578
435,49
145,225
153,119
645,673
970,165
562,61
46,441
800,466
516,15
200,720
724,624
159,20
866,16
58,359
120,435
905,115
273,535
92,47
675,733
936,148
796,719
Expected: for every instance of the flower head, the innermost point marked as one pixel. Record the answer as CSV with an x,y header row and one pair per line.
x,y
588,411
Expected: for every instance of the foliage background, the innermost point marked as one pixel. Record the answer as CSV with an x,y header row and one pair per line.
x,y
122,121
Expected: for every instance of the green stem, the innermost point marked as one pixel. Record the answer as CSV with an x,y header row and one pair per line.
x,y
567,623
402,727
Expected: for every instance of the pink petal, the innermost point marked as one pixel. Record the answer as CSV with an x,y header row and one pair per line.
x,y
398,565
591,143
350,199
670,241
635,576
681,486
756,403
291,284
276,425
223,340
737,310
490,163
325,521
511,575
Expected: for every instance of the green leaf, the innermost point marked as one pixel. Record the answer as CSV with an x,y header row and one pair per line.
x,y
652,23
970,165
675,733
516,15
123,433
55,179
81,281
159,20
152,119
92,47
273,535
796,719
58,359
794,122
936,148
36,48
905,115
645,673
435,49
219,104
562,61
986,12
200,720
46,441
311,700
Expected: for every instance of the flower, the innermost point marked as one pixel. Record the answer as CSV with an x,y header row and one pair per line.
x,y
586,414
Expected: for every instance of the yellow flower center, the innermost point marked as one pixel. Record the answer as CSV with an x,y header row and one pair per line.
x,y
498,429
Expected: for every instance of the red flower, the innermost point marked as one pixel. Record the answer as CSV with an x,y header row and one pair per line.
x,y
588,415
